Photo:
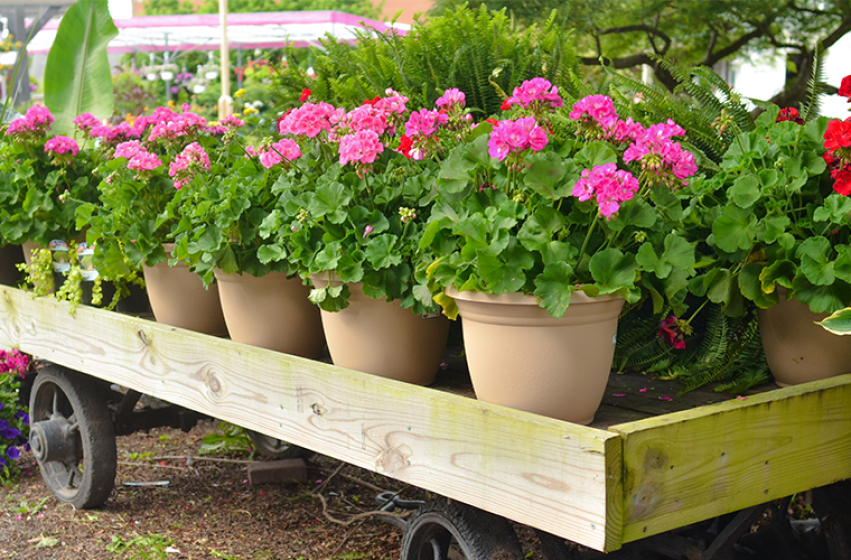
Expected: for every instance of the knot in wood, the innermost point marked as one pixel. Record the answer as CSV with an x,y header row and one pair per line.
x,y
317,409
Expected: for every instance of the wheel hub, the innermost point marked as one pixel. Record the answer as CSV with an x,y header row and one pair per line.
x,y
53,440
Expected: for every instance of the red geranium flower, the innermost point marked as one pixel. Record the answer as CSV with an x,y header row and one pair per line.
x,y
838,135
789,114
845,88
372,101
492,121
670,332
305,93
506,105
405,145
842,178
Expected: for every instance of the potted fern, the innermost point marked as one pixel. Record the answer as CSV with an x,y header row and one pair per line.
x,y
541,237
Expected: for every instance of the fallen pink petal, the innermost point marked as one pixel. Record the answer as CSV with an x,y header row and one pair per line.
x,y
644,390
741,398
618,394
666,398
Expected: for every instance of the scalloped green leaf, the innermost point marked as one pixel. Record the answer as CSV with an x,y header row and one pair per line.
x,y
553,288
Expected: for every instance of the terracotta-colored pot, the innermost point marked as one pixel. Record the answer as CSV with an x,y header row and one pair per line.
x,y
383,338
272,312
522,357
798,350
178,298
10,255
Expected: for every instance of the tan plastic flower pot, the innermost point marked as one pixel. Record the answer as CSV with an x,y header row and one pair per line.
x,y
179,299
272,312
522,357
383,338
798,350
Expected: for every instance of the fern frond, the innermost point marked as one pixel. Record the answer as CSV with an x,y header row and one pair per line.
x,y
812,107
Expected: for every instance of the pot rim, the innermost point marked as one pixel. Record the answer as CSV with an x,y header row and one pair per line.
x,y
517,298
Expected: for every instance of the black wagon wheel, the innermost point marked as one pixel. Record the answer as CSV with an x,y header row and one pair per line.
x,y
72,437
275,448
446,530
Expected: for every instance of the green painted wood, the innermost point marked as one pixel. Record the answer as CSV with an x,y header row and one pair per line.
x,y
552,475
687,466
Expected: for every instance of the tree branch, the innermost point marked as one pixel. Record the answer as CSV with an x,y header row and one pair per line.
x,y
711,58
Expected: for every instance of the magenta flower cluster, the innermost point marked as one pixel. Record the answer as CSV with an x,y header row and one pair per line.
x,y
171,126
86,123
538,91
424,122
35,123
513,138
61,145
308,120
451,99
285,149
663,161
608,186
184,167
12,361
141,160
361,147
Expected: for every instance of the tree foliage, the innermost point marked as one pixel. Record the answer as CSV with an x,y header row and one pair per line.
x,y
363,8
628,33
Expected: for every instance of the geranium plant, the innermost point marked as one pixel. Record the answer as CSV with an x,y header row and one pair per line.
x,y
356,203
593,207
145,166
43,180
776,218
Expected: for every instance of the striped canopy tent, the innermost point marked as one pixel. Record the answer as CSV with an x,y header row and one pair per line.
x,y
203,32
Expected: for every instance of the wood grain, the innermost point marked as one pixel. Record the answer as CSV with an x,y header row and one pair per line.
x,y
546,473
687,466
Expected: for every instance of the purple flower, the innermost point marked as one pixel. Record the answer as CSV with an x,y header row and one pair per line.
x,y
23,416
13,453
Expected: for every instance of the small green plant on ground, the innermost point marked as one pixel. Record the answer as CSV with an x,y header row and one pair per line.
x,y
226,439
151,547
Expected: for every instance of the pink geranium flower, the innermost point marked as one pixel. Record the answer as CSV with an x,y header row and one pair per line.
x,y
608,186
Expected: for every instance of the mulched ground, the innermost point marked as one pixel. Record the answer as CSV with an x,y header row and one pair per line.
x,y
208,510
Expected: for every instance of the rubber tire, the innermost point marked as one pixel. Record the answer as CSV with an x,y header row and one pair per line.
x,y
97,435
479,535
276,448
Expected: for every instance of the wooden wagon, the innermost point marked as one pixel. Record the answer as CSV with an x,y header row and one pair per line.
x,y
645,466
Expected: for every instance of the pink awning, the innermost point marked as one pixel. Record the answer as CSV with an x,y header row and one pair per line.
x,y
201,32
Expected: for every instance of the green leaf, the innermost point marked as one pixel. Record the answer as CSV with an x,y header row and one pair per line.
x,y
772,227
735,229
835,208
504,273
839,322
816,265
822,299
745,191
751,287
78,77
553,288
545,174
540,228
595,154
329,201
269,253
779,272
613,270
380,251
635,212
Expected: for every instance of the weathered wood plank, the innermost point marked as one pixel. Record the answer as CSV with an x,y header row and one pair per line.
x,y
692,465
546,473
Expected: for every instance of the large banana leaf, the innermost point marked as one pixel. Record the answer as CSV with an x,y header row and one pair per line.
x,y
77,77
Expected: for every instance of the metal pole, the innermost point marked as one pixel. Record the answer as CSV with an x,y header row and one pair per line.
x,y
225,101
167,69
239,63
